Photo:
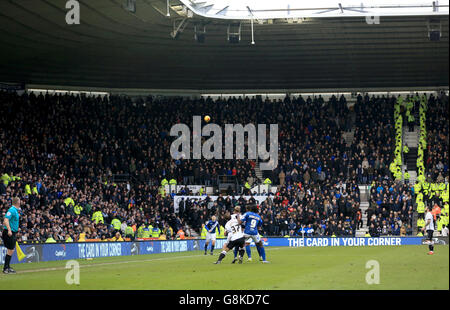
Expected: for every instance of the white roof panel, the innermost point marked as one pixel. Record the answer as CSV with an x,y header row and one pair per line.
x,y
269,9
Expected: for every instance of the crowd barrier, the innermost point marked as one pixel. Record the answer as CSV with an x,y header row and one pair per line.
x,y
82,250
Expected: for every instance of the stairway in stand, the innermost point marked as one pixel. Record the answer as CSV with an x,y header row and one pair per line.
x,y
364,205
410,159
411,138
258,172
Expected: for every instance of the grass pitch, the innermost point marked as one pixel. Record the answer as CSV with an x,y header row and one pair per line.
x,y
309,268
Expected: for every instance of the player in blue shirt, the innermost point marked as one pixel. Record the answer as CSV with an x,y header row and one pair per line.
x,y
211,226
10,228
237,214
252,221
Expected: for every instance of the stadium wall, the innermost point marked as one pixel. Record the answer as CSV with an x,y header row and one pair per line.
x,y
82,250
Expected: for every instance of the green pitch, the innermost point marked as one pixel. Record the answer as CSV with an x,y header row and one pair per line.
x,y
401,267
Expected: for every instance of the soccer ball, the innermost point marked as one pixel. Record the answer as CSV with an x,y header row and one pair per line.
x,y
207,118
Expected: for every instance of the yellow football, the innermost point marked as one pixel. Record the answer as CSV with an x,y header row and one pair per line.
x,y
207,118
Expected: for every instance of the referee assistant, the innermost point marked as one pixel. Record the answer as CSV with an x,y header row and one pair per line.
x,y
10,228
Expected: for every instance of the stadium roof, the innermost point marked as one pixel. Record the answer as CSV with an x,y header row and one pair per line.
x,y
114,47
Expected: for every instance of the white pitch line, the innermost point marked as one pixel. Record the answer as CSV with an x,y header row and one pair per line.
x,y
116,263
105,264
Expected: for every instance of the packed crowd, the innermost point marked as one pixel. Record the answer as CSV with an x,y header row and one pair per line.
x,y
437,124
372,146
433,186
311,147
391,209
325,209
63,211
60,152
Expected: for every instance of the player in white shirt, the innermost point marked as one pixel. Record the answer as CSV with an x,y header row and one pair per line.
x,y
429,228
237,215
235,238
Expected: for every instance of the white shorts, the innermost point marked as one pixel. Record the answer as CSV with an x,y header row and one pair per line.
x,y
210,236
255,238
228,238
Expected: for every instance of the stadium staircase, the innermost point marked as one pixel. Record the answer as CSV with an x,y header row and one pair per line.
x,y
260,177
410,159
363,188
258,172
364,205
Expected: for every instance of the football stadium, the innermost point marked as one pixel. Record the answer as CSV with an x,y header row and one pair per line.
x,y
224,145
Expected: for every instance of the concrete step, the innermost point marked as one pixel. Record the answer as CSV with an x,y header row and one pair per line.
x,y
411,138
258,171
361,232
363,205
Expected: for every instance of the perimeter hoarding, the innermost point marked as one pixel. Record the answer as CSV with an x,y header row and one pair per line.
x,y
83,250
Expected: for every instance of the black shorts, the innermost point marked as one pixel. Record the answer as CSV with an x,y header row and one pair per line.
x,y
430,235
239,243
9,241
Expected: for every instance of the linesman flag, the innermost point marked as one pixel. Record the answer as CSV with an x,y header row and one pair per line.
x,y
20,254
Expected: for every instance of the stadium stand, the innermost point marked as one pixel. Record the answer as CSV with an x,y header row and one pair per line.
x,y
89,167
